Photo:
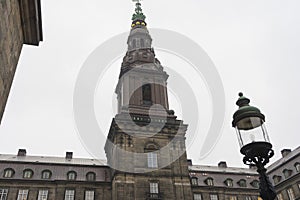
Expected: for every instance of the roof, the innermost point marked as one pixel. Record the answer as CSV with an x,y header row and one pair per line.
x,y
53,160
216,169
284,160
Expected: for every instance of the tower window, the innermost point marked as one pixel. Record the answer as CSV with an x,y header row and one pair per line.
x,y
146,90
152,160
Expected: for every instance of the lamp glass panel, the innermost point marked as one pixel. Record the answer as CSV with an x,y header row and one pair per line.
x,y
251,129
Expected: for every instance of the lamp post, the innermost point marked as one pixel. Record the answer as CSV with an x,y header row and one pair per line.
x,y
254,142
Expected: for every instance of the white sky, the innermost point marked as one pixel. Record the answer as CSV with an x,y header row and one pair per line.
x,y
255,46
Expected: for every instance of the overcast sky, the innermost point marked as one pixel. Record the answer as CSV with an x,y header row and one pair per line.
x,y
254,45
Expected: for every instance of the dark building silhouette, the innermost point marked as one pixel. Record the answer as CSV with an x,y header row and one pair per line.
x,y
20,23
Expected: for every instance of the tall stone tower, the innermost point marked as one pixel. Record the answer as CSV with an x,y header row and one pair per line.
x,y
145,146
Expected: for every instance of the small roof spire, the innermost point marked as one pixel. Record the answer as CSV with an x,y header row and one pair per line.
x,y
138,16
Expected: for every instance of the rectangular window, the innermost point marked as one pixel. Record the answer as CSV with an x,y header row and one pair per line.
x,y
153,188
43,195
22,195
232,198
70,194
89,195
213,197
279,196
3,194
152,160
291,194
197,197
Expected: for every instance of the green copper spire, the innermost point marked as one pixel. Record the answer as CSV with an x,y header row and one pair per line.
x,y
138,15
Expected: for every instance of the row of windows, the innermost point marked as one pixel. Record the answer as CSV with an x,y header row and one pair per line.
x,y
198,196
228,182
290,193
43,194
46,174
287,173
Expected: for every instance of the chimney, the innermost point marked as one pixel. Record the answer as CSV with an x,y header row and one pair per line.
x,y
222,164
285,152
22,152
189,162
69,155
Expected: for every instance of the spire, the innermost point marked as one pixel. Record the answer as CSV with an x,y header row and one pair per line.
x,y
138,18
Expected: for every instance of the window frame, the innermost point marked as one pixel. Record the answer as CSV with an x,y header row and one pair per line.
x,y
194,181
213,197
209,181
3,193
287,173
297,166
69,197
28,173
87,176
41,195
229,182
86,197
68,176
152,160
44,172
197,196
153,187
291,193
21,195
8,170
242,183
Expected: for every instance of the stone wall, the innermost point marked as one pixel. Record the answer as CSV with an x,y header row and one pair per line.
x,y
11,41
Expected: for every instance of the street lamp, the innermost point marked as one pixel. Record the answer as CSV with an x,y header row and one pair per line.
x,y
254,142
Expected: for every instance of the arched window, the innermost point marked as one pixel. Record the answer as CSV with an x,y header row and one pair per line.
x,y
46,174
255,184
194,181
209,181
287,173
276,179
146,91
90,176
8,173
27,173
229,182
242,183
71,175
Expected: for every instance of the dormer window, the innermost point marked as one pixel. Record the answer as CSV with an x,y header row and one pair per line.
x,y
46,174
209,181
90,176
242,183
297,166
27,173
8,173
228,182
276,179
287,173
255,184
71,175
194,181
